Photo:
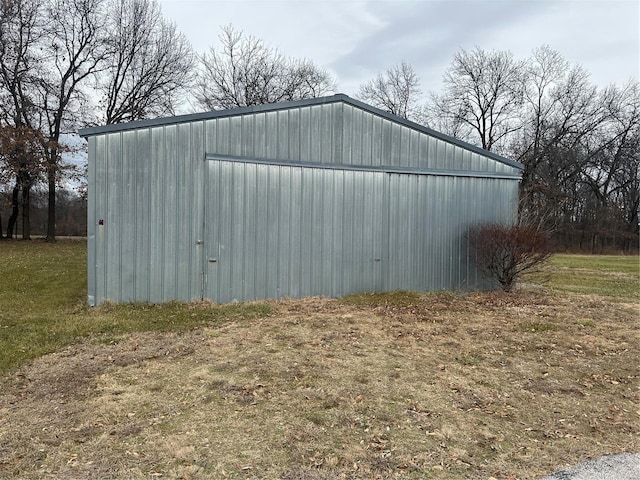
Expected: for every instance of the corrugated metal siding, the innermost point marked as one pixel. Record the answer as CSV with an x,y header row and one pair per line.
x,y
279,229
372,140
276,231
429,219
307,134
339,134
150,203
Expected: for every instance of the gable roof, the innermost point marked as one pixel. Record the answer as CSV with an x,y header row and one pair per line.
x,y
194,117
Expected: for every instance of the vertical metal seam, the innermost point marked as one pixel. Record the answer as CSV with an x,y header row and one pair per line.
x,y
204,248
323,230
299,227
106,269
386,194
149,182
176,192
91,220
245,201
134,179
231,246
121,192
187,158
278,248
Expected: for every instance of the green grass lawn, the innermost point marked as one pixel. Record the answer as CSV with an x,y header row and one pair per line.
x,y
43,295
43,304
608,275
43,288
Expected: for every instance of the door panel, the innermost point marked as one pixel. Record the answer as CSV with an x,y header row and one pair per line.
x,y
274,231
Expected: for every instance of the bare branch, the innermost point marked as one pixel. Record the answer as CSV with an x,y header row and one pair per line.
x,y
149,64
245,72
396,91
482,97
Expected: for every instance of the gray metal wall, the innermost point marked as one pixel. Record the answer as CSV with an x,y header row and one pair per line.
x,y
338,133
146,187
252,222
277,231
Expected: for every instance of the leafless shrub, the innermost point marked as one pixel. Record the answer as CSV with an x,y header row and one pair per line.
x,y
504,252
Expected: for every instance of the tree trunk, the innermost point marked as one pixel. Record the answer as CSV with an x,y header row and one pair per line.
x,y
14,211
26,222
51,216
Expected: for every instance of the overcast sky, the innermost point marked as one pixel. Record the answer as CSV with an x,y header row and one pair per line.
x,y
356,39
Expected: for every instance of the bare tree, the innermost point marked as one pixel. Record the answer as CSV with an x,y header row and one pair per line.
x,y
544,71
561,113
51,50
245,72
21,157
148,63
579,144
482,96
48,49
396,91
611,163
76,30
20,33
20,58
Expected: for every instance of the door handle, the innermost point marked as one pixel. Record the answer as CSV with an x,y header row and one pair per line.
x,y
213,260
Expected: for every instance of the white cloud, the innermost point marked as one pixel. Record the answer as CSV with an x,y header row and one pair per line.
x,y
356,39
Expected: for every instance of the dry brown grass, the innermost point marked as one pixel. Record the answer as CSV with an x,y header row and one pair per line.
x,y
438,386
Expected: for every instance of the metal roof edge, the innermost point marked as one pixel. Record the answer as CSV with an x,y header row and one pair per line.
x,y
338,97
194,117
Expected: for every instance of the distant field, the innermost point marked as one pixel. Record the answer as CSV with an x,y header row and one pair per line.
x,y
395,385
609,275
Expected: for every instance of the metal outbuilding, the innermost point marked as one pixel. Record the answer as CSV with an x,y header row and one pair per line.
x,y
326,196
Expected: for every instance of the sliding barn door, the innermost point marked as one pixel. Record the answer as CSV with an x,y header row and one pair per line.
x,y
276,231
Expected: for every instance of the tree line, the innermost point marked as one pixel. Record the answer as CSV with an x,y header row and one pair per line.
x,y
580,145
68,64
